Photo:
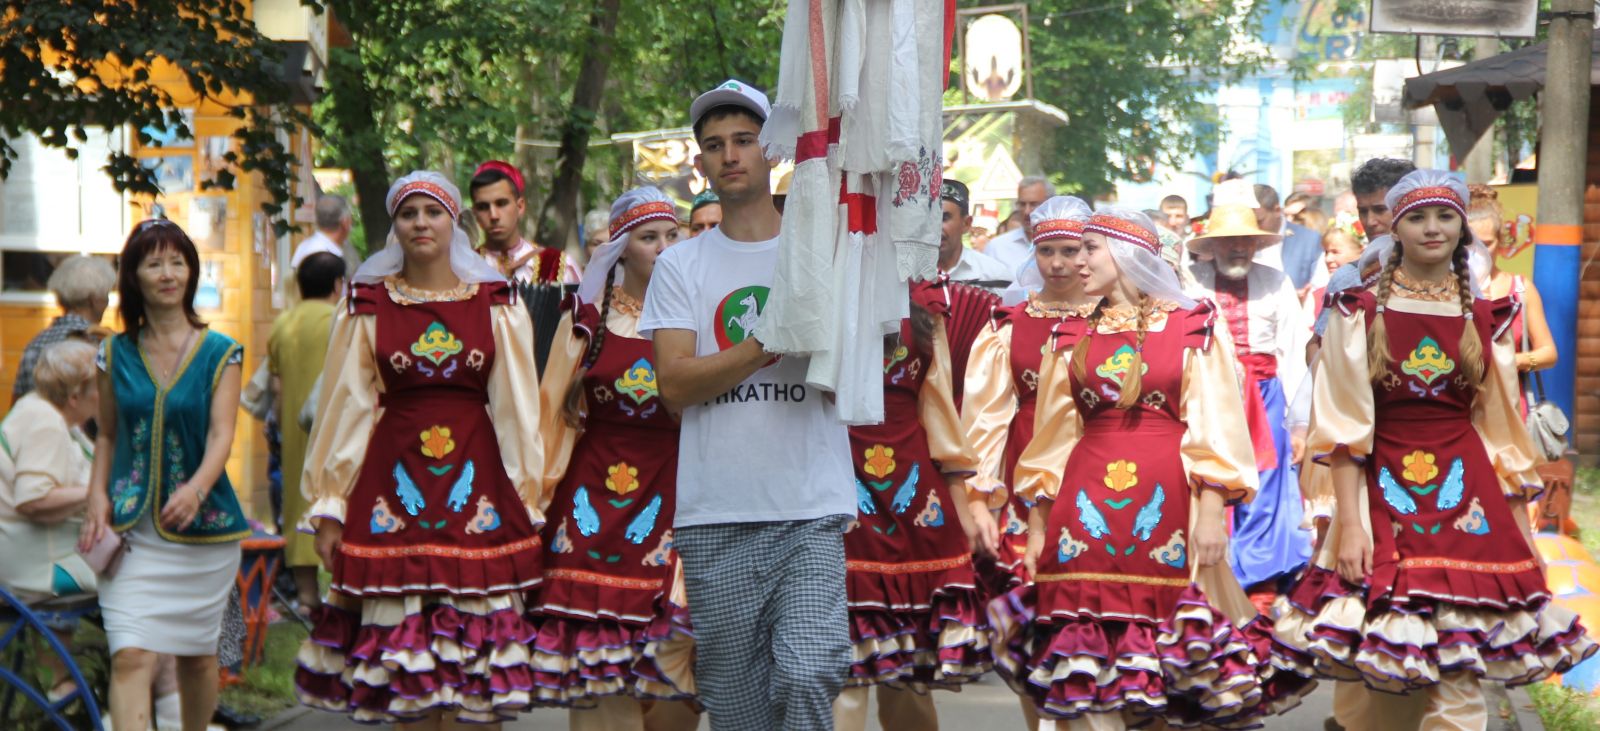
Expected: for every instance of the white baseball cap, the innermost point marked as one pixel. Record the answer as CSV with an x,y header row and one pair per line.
x,y
731,92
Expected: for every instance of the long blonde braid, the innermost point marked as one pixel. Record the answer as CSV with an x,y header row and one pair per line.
x,y
1133,382
1080,349
1378,357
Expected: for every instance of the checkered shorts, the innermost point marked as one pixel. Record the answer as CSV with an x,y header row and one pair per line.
x,y
771,630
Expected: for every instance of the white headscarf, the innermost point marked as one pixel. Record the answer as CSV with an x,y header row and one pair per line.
x,y
1420,189
1062,216
632,209
1137,250
466,263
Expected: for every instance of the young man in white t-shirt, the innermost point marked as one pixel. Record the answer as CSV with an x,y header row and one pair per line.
x,y
765,486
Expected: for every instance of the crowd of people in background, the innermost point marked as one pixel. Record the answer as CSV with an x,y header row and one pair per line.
x,y
1146,465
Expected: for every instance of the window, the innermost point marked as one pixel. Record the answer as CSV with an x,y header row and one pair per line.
x,y
52,207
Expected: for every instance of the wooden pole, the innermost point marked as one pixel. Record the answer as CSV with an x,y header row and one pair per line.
x,y
1563,152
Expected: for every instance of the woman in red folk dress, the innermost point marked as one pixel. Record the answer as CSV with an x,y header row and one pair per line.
x,y
1428,582
613,641
916,615
423,476
1133,617
1002,380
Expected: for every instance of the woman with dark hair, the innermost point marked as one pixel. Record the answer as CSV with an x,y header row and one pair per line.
x,y
423,475
169,393
1428,582
614,643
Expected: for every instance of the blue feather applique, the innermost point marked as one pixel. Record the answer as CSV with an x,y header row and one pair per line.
x,y
406,489
1394,494
864,499
907,492
1150,515
583,511
1454,485
462,489
1091,518
644,523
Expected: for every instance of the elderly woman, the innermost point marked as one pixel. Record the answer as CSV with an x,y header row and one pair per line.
x,y
44,476
82,286
169,394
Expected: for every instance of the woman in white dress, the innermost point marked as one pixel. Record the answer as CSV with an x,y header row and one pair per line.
x,y
169,393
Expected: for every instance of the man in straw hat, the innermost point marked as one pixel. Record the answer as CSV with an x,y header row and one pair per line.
x,y
1269,330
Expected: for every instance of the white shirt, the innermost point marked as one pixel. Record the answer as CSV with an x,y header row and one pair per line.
x,y
770,449
1010,249
526,273
1275,324
1272,256
976,266
317,243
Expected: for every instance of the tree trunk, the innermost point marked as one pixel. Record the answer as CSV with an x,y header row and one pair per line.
x,y
360,142
556,221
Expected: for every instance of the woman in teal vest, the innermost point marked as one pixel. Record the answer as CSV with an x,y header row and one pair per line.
x,y
169,392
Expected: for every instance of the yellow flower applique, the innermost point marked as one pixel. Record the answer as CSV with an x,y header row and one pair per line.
x,y
436,442
622,478
879,461
1419,467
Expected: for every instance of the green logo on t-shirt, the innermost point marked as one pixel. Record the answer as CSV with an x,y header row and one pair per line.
x,y
737,315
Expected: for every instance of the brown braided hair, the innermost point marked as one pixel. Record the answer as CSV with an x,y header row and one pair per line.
x,y
1133,382
1471,344
1378,357
572,410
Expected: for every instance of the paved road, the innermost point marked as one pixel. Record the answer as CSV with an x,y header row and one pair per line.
x,y
987,705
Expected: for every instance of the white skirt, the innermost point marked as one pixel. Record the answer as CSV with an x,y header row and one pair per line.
x,y
168,597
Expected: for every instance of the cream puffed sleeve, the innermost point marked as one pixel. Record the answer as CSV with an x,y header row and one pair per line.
x,y
1056,430
1341,397
514,404
988,405
558,437
1498,418
346,412
1216,448
936,409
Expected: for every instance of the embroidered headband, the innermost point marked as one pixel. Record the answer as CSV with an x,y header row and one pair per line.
x,y
652,211
426,188
1124,231
1059,228
504,168
1429,196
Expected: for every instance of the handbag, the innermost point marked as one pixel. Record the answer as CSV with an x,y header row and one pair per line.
x,y
105,556
1547,424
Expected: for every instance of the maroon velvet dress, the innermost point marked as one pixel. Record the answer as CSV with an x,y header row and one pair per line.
x,y
916,615
604,611
1030,338
1114,622
438,545
1455,586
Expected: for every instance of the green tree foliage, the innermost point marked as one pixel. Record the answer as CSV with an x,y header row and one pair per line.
x,y
1130,75
446,84
67,65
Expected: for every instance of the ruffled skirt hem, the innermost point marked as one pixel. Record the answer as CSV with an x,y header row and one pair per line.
x,y
1194,668
1329,631
577,661
393,660
945,646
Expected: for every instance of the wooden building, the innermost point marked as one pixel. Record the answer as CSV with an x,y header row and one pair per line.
x,y
52,207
